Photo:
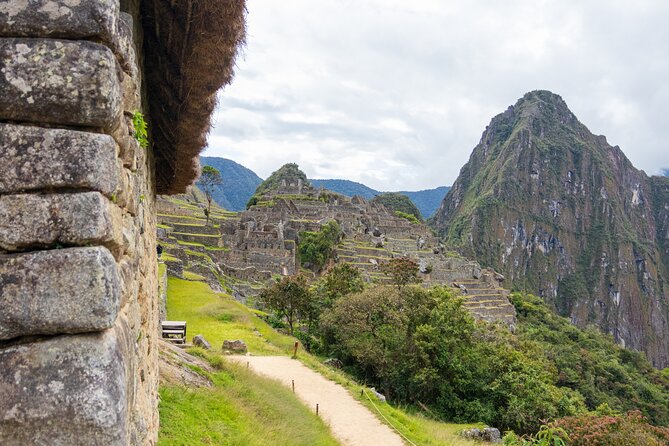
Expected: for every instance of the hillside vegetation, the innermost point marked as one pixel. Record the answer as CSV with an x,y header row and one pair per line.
x,y
398,203
240,408
230,412
421,347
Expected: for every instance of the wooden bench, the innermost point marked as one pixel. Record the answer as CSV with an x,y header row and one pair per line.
x,y
174,331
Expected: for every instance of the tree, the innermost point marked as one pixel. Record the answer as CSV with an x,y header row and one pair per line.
x,y
290,298
209,179
340,280
316,247
402,271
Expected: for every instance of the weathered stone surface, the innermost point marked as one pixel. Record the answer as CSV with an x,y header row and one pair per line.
x,y
66,391
237,346
44,158
38,82
487,434
334,363
59,18
29,221
200,341
58,291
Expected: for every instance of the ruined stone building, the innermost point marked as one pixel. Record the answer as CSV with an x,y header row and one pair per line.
x,y
242,252
78,286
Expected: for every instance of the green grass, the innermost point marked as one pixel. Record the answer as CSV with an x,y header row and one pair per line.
x,y
198,235
219,317
241,409
189,275
181,242
165,257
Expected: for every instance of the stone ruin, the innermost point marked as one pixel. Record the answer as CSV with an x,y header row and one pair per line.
x,y
78,269
261,243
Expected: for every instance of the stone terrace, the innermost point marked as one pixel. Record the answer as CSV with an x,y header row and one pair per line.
x,y
253,246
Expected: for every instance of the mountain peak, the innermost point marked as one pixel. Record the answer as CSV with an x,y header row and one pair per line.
x,y
287,180
540,104
558,210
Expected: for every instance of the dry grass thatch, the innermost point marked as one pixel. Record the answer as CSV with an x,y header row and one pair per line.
x,y
190,49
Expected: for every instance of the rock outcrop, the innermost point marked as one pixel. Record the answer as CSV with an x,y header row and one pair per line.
x,y
565,215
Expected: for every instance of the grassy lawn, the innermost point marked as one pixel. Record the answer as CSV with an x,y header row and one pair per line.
x,y
219,317
241,409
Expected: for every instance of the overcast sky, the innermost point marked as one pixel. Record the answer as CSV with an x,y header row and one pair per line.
x,y
395,93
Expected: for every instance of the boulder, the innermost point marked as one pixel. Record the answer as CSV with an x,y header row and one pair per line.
x,y
376,232
236,346
487,434
379,396
333,362
200,341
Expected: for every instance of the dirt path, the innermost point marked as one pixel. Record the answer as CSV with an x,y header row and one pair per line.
x,y
351,422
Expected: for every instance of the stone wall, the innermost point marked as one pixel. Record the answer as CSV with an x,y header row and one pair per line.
x,y
78,279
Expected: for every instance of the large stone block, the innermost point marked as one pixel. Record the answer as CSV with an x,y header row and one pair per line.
x,y
59,82
67,390
45,158
35,221
59,18
69,290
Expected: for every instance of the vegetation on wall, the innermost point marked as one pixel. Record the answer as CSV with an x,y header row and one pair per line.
x,y
141,133
401,271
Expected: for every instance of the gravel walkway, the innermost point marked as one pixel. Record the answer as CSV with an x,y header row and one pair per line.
x,y
351,422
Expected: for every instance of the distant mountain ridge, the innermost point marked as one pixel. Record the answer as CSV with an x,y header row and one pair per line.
x,y
239,183
427,201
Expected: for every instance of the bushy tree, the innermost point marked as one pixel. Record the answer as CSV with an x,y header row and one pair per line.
x,y
209,179
401,270
290,298
339,280
316,247
423,346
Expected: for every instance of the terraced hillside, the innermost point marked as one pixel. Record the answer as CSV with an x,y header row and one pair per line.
x,y
194,248
245,250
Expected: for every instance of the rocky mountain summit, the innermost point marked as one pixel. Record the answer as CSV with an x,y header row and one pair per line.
x,y
563,214
249,248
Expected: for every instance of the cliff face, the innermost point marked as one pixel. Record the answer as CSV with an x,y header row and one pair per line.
x,y
565,215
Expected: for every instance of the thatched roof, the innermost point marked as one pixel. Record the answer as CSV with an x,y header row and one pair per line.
x,y
190,48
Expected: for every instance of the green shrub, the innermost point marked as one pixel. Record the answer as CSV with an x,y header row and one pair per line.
x,y
630,429
412,218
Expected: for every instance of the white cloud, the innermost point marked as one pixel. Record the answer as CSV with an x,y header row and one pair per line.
x,y
396,94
